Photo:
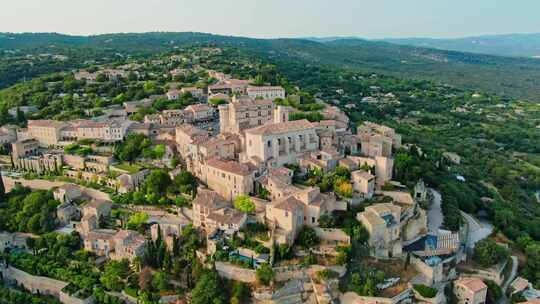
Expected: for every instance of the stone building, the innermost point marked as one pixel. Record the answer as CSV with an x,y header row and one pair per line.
x,y
211,212
266,92
185,135
470,290
24,148
67,193
46,132
282,143
229,178
200,112
39,163
244,113
303,207
128,245
363,183
382,221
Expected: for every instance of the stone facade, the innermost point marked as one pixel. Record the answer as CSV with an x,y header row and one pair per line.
x,y
281,143
229,178
382,221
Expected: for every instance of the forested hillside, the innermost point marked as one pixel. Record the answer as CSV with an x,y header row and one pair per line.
x,y
519,45
510,77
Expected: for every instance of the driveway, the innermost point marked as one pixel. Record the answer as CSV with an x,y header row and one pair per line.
x,y
478,230
434,214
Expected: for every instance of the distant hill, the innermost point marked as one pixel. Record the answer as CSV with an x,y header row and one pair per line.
x,y
507,76
519,45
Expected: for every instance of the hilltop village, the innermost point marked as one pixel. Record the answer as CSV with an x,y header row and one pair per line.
x,y
228,190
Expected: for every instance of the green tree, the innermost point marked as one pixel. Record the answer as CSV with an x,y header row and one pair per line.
x,y
327,221
244,204
114,274
160,281
307,238
2,190
265,274
158,182
208,289
186,183
137,220
488,253
494,292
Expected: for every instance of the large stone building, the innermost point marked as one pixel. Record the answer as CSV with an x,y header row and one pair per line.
x,y
382,221
378,140
229,178
266,92
107,131
287,216
244,113
46,132
278,144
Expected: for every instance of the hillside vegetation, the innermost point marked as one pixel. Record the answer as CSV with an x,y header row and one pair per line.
x,y
510,77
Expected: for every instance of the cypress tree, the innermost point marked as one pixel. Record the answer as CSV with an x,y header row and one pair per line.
x,y
2,190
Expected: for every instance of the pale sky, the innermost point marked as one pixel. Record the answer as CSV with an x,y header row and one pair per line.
x,y
275,18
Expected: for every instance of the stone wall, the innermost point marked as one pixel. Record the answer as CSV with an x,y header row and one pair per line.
x,y
432,274
34,284
37,184
41,285
40,184
236,273
332,235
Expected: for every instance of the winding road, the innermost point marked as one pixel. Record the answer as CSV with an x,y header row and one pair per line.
x,y
434,214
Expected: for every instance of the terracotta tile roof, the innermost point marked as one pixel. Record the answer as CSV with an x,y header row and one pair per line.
x,y
227,216
290,204
132,238
520,284
247,101
100,234
360,174
473,284
230,166
265,88
280,128
198,107
46,123
210,199
190,130
98,204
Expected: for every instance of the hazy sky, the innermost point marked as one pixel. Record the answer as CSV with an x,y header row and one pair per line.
x,y
275,18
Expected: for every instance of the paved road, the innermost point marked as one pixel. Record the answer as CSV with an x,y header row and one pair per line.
x,y
504,298
512,274
435,215
478,230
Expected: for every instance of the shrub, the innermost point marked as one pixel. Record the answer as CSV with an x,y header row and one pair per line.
x,y
425,291
265,274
